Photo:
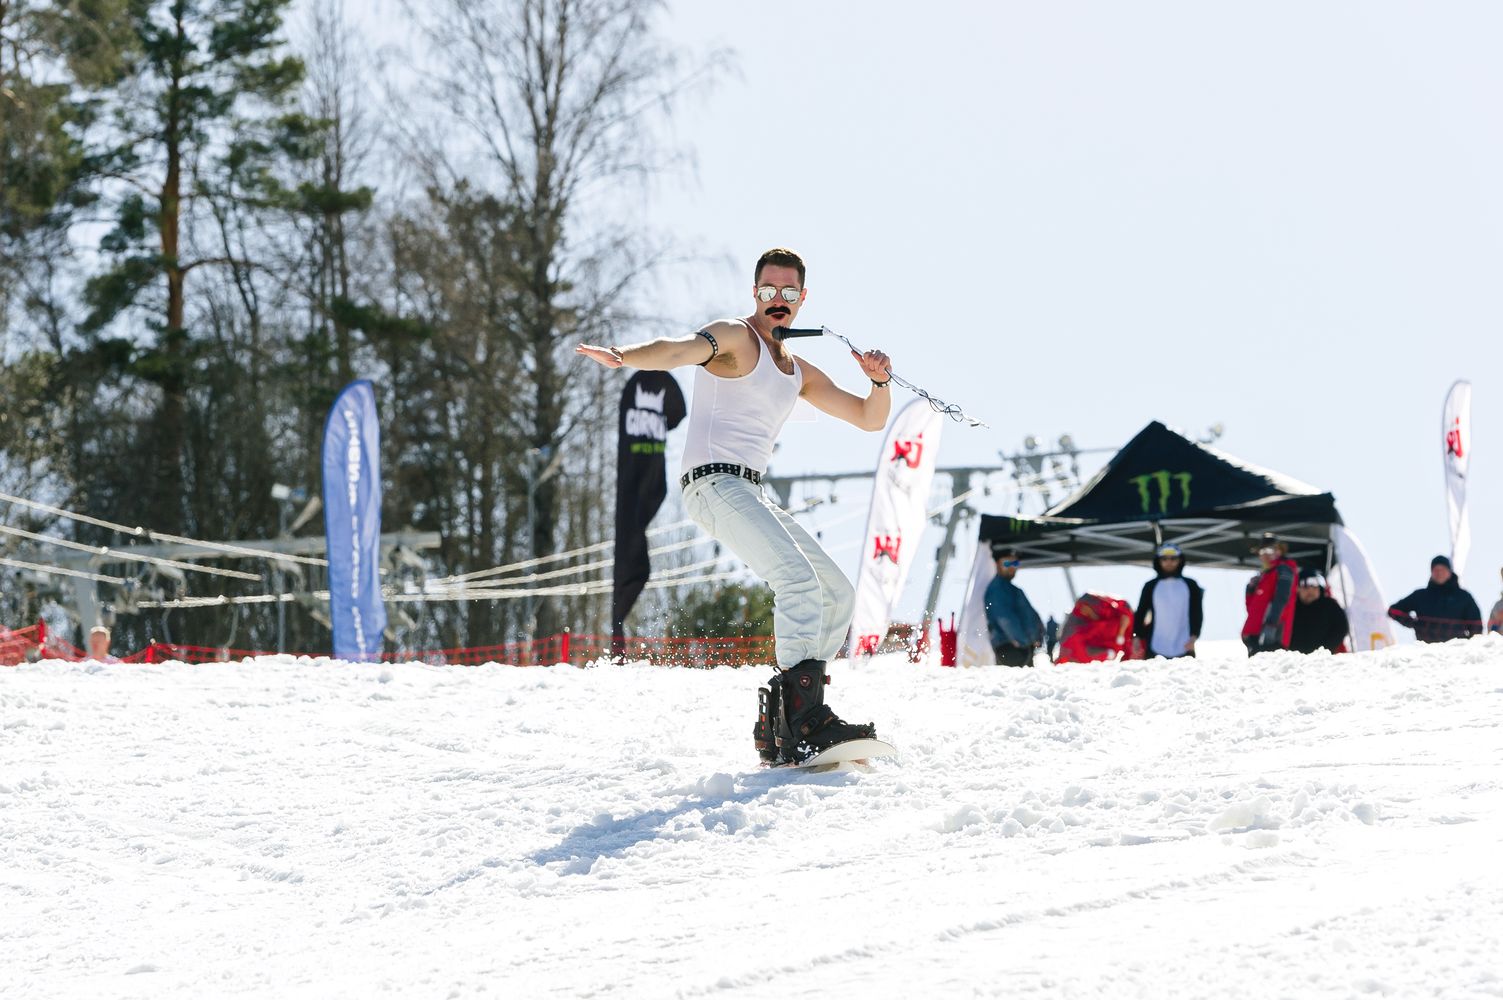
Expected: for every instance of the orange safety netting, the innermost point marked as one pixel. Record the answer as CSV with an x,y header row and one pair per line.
x,y
34,642
563,648
20,645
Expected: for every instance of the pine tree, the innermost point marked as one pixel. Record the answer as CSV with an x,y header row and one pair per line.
x,y
563,97
205,113
51,55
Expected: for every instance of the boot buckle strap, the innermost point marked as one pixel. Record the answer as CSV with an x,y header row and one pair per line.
x,y
818,719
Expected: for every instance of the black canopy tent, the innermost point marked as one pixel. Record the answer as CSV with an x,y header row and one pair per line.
x,y
1164,487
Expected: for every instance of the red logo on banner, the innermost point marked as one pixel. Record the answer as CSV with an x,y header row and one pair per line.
x,y
887,547
866,645
908,451
1453,441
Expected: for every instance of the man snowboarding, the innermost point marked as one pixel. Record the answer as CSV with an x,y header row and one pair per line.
x,y
744,391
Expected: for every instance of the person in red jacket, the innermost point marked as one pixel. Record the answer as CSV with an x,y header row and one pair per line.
x,y
1270,599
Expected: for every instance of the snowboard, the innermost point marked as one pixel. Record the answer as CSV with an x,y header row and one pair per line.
x,y
850,752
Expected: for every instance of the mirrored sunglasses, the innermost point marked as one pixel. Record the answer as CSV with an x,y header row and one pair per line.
x,y
767,293
1169,552
1011,563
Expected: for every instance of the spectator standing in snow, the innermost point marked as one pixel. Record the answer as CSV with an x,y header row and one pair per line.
x,y
745,386
1016,629
1169,615
1270,599
1495,620
99,645
1319,621
1441,610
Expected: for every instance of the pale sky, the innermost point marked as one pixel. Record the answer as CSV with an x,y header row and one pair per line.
x,y
1283,217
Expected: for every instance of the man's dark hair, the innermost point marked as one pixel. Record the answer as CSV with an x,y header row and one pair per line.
x,y
1003,552
780,257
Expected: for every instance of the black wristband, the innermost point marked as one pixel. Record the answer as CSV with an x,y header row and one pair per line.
x,y
714,347
882,385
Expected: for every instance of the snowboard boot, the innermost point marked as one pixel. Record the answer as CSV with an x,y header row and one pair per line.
x,y
806,725
765,732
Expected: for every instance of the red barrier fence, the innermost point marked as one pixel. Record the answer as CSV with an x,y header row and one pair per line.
x,y
18,645
33,643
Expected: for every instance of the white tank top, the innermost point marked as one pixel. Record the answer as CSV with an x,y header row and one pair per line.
x,y
738,419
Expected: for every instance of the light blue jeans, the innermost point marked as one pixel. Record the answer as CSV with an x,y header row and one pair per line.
x,y
813,600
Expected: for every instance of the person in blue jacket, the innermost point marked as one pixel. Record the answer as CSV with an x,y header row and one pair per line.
x,y
1016,629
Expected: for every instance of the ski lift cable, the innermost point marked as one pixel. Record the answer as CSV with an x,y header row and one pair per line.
x,y
60,571
947,505
568,588
673,571
666,578
572,590
954,501
444,582
159,536
220,601
553,557
527,563
124,554
708,578
586,550
457,582
566,571
502,587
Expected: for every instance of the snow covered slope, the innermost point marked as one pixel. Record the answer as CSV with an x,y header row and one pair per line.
x,y
1284,826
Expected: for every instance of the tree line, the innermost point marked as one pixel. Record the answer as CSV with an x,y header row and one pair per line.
x,y
214,215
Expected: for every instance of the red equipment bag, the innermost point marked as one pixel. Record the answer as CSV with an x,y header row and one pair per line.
x,y
1099,627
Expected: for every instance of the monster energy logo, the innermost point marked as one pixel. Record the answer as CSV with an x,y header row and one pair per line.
x,y
1162,480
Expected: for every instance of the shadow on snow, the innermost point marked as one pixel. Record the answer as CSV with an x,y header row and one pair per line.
x,y
611,837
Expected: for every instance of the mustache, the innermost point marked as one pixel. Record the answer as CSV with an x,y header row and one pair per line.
x,y
775,311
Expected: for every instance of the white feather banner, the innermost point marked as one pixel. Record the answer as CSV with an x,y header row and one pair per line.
x,y
1456,428
900,498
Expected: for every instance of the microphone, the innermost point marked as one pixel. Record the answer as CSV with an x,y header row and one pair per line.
x,y
784,332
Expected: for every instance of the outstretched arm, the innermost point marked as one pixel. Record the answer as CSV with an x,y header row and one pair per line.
x,y
1403,611
654,355
868,413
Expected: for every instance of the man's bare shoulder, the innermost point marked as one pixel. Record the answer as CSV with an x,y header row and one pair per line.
x,y
726,326
736,354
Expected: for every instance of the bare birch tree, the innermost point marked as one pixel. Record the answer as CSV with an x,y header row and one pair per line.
x,y
562,99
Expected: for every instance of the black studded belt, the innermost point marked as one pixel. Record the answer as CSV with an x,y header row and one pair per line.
x,y
716,468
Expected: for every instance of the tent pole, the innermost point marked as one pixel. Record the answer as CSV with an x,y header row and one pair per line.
x,y
957,512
